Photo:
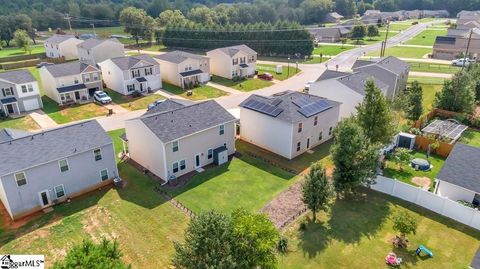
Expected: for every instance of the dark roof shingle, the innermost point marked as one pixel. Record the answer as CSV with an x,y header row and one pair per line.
x,y
127,62
67,69
20,76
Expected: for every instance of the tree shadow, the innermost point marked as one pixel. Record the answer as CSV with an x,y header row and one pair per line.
x,y
314,238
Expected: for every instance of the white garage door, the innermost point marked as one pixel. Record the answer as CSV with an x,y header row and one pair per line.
x,y
31,104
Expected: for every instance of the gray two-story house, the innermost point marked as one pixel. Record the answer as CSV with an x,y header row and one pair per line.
x,y
46,168
19,92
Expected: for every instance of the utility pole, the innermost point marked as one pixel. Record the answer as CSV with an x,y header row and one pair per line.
x,y
67,17
466,51
94,33
382,53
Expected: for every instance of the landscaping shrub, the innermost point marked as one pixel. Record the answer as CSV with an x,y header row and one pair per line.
x,y
282,245
303,226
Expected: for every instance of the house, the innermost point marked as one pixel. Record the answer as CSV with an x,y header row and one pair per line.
x,y
128,74
288,123
413,14
333,17
95,51
58,46
174,139
49,167
442,13
459,177
234,61
70,83
19,92
347,89
452,47
184,69
326,35
390,70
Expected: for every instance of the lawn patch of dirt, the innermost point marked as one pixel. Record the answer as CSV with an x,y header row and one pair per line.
x,y
423,182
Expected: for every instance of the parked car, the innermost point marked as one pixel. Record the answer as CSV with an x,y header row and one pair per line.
x,y
265,76
42,64
102,97
462,62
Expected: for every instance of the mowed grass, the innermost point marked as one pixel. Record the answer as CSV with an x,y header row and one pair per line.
x,y
404,52
156,48
199,93
427,80
356,233
247,85
471,137
133,103
16,51
24,123
287,72
433,68
71,113
244,182
427,37
331,49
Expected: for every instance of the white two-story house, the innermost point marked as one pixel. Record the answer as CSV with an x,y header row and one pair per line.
x,y
288,123
62,46
174,139
19,92
128,74
94,51
70,83
184,69
231,62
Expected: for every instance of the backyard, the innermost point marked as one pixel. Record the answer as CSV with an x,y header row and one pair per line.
x,y
287,71
404,52
24,123
71,113
133,103
247,85
356,233
427,37
15,51
198,93
471,137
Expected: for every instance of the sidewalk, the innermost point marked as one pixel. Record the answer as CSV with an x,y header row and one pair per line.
x,y
223,88
43,120
168,94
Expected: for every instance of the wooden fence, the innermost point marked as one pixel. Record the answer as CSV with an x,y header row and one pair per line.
x,y
444,148
436,112
17,58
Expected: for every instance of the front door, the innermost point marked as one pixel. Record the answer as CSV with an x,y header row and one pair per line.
x,y
141,87
77,95
44,198
308,143
10,109
197,161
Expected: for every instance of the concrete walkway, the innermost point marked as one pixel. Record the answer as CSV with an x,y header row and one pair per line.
x,y
223,88
43,120
432,75
117,109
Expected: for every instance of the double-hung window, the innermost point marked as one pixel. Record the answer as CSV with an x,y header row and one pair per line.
x,y
63,165
222,129
175,167
183,165
315,121
59,191
98,154
175,146
299,145
330,130
210,154
320,136
300,127
24,89
104,174
20,178
7,91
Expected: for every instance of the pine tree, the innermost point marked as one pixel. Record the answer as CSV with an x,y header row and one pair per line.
x,y
414,101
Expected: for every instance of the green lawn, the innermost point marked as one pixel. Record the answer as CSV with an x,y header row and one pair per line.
x,y
427,80
287,72
198,93
433,68
331,50
429,91
156,48
427,37
356,233
471,137
250,84
404,52
393,170
24,123
15,51
71,113
372,40
131,103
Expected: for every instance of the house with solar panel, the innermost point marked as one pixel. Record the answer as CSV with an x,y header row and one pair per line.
x,y
184,69
71,83
453,46
175,138
39,170
234,61
19,92
289,123
129,74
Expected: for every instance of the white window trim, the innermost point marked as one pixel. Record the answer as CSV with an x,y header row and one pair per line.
x,y
55,190
95,157
60,167
178,166
108,174
24,175
207,153
178,146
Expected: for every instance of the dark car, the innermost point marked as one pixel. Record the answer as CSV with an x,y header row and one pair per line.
x,y
266,76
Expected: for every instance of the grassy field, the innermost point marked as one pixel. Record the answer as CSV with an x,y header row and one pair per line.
x,y
427,37
71,113
24,123
156,48
471,137
433,68
287,72
133,103
15,51
356,233
427,80
372,40
429,91
250,84
331,49
404,52
198,93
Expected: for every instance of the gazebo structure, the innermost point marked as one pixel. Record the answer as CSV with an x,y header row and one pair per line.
x,y
450,129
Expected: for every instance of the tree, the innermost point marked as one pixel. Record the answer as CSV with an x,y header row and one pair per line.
x,y
414,101
362,7
343,40
374,115
355,159
358,32
372,31
456,95
317,190
202,15
405,224
385,5
346,8
22,39
7,28
156,7
174,17
24,22
315,10
137,23
90,255
403,156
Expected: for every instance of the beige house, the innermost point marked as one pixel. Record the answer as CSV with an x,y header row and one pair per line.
x,y
452,47
62,46
173,138
70,83
288,123
184,69
95,51
234,61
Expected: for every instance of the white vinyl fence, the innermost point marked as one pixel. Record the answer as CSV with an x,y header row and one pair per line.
x,y
428,200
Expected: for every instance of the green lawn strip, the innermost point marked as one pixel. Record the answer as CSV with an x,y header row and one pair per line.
x,y
433,68
471,137
156,48
357,233
371,40
245,182
331,49
427,80
429,91
393,170
427,37
287,72
198,93
404,52
16,51
103,31
133,103
24,123
71,113
247,85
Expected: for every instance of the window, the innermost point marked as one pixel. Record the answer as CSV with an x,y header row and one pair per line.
x,y
24,89
299,145
104,174
30,87
320,136
59,191
209,154
183,165
175,146
95,76
20,178
300,125
86,77
7,91
130,88
148,71
222,129
330,131
76,81
135,73
175,167
63,165
98,154
315,121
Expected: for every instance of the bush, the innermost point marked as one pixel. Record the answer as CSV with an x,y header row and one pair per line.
x,y
136,94
303,226
3,115
415,131
282,245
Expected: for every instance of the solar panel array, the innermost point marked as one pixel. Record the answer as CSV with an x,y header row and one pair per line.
x,y
302,102
276,101
314,108
264,108
445,128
